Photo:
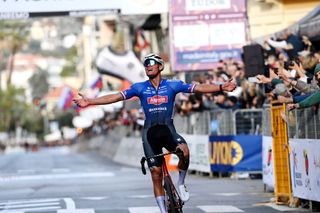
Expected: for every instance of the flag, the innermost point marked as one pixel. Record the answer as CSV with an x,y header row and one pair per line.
x,y
65,99
97,83
141,41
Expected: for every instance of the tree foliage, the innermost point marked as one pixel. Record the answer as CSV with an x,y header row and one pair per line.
x,y
15,112
13,35
12,107
71,57
39,83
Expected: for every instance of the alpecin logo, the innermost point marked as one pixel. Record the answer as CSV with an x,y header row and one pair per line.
x,y
158,100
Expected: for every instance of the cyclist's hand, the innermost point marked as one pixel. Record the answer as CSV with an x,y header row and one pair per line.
x,y
81,102
181,150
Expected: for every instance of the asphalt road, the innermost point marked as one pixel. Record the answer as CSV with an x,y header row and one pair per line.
x,y
58,181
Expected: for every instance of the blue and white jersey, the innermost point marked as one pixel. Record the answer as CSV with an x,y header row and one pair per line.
x,y
158,104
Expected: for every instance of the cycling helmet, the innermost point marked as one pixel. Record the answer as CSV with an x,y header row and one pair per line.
x,y
155,57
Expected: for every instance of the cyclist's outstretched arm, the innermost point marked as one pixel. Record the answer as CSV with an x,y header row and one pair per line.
x,y
83,101
205,88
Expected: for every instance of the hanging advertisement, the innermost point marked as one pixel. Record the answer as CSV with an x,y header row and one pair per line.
x,y
235,153
23,9
203,32
305,168
267,162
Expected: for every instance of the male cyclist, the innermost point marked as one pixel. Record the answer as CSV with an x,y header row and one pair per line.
x,y
157,97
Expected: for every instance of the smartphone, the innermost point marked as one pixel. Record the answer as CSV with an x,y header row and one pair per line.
x,y
253,80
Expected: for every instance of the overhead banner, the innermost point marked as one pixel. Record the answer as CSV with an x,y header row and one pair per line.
x,y
305,168
235,153
204,32
22,9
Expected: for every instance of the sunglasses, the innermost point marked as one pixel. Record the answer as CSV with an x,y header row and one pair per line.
x,y
149,62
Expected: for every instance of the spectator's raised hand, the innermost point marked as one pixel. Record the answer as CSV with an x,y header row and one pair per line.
x,y
283,75
272,73
229,86
292,106
263,79
81,102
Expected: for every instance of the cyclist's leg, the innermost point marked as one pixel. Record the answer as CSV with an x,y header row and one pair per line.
x,y
179,142
154,165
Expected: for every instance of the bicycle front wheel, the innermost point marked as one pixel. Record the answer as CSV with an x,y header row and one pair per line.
x,y
173,202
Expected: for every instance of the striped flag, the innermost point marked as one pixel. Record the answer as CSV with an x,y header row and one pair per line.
x,y
65,99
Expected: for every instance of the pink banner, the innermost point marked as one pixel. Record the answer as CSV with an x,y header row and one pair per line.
x,y
203,32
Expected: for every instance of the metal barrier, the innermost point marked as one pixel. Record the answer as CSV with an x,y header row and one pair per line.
x,y
224,122
247,121
304,123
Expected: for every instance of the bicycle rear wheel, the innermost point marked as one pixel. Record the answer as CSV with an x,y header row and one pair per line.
x,y
173,202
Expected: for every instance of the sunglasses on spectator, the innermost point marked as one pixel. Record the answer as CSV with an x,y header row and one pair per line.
x,y
149,62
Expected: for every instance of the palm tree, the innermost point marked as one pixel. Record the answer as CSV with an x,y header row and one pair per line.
x,y
13,35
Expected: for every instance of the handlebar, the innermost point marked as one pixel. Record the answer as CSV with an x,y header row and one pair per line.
x,y
178,152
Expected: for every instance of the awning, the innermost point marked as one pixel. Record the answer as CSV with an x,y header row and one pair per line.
x,y
311,28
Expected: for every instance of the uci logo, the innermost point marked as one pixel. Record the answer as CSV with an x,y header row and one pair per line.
x,y
158,100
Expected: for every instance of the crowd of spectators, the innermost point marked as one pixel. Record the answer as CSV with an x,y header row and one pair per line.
x,y
290,75
294,71
247,95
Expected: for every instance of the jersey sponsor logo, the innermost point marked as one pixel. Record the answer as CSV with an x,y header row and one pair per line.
x,y
158,100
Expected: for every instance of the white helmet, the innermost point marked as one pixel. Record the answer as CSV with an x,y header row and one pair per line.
x,y
155,57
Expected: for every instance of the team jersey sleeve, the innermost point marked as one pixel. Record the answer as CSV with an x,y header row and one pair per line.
x,y
129,93
180,86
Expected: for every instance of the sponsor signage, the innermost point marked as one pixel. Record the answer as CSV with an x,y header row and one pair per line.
x,y
267,162
22,9
203,32
199,154
305,168
158,100
235,153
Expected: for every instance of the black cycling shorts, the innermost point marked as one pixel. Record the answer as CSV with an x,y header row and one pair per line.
x,y
157,137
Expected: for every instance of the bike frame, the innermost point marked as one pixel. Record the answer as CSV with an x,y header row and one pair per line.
x,y
166,175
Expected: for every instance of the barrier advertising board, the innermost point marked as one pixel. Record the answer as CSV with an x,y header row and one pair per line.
x,y
305,168
199,155
267,162
235,153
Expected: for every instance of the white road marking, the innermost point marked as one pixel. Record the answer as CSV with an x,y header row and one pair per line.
x,y
55,176
32,209
21,206
140,196
71,207
76,211
14,206
283,208
227,194
144,210
28,201
60,170
220,209
95,198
